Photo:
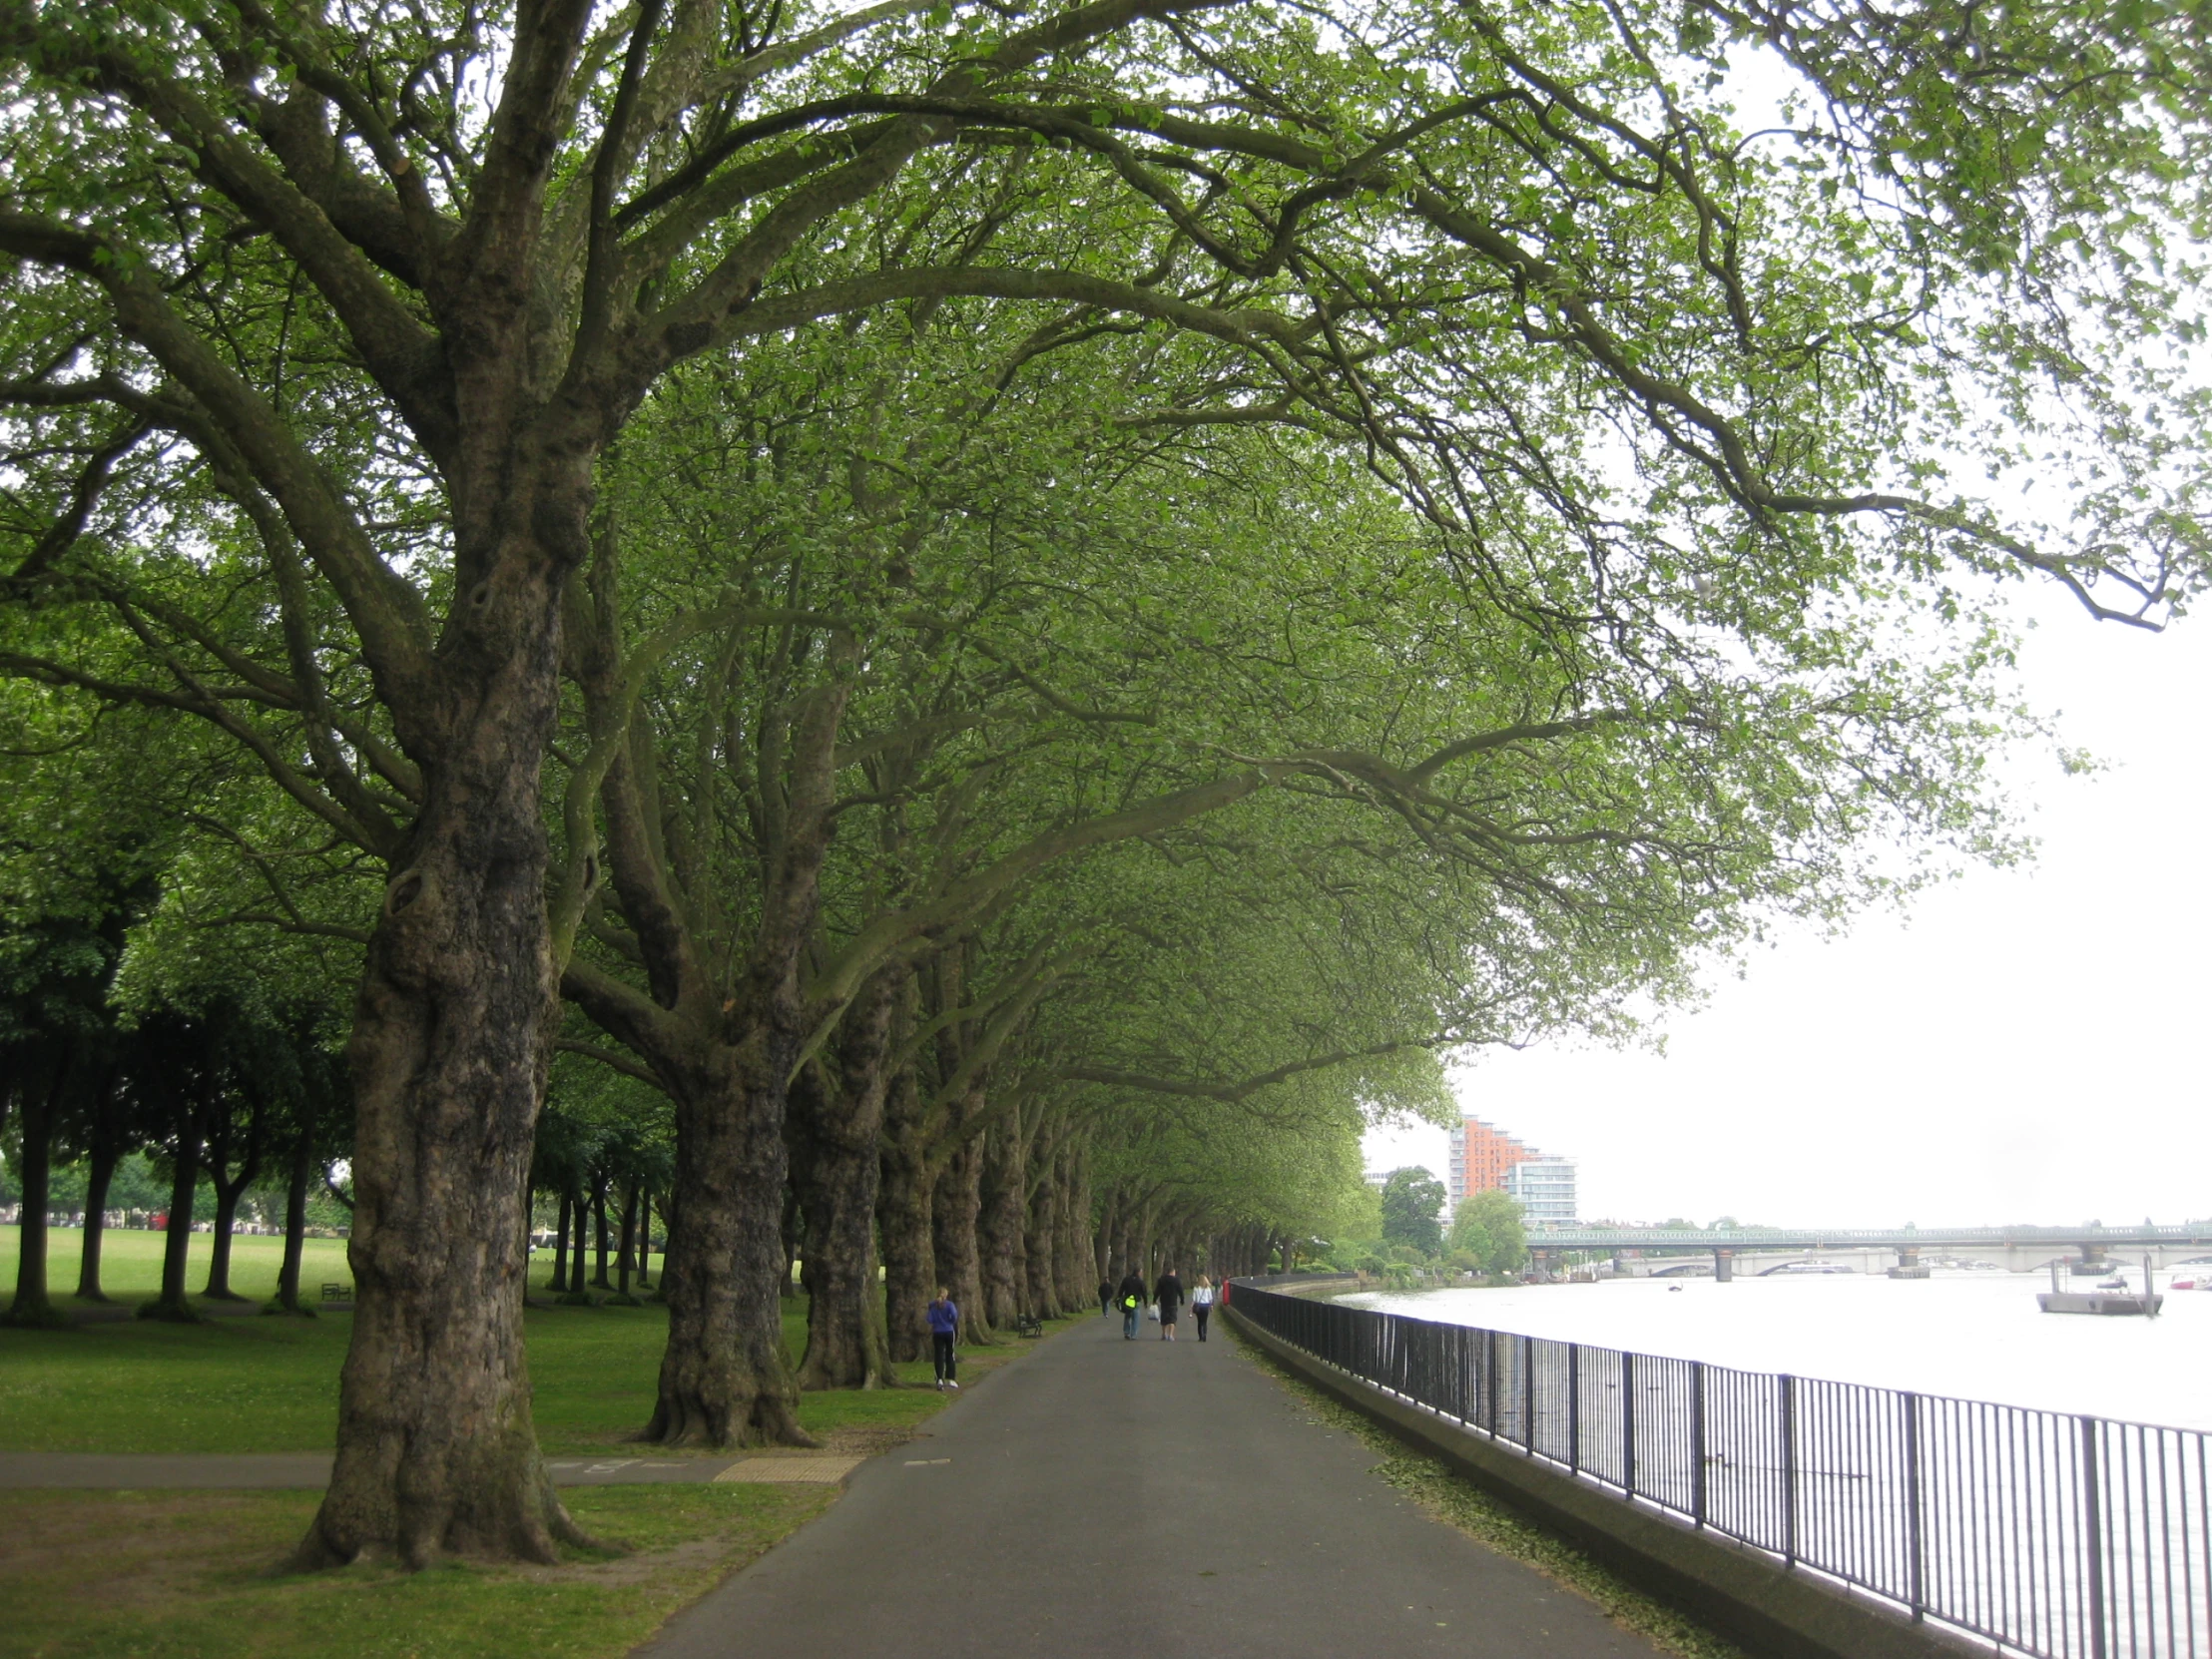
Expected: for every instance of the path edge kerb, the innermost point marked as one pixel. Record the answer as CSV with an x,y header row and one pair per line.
x,y
1754,1601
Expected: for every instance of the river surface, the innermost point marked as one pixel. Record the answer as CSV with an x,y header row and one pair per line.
x,y
1972,1336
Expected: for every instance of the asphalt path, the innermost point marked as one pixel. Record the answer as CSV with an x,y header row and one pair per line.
x,y
1144,1498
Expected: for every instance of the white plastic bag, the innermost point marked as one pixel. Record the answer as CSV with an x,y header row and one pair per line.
x,y
1152,1311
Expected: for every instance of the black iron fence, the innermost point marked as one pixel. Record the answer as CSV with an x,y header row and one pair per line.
x,y
2065,1537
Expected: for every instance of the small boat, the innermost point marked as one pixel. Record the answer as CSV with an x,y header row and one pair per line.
x,y
2100,1302
2112,1299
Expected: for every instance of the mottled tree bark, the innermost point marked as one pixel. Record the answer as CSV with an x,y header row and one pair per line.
x,y
953,1213
724,1377
834,1125
1001,1214
451,1038
1041,1232
903,1210
1079,1274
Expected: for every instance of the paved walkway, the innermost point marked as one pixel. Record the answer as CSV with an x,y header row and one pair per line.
x,y
1106,1499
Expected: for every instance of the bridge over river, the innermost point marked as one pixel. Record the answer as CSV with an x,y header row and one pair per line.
x,y
1764,1249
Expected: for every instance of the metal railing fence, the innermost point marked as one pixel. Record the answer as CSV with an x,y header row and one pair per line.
x,y
2060,1536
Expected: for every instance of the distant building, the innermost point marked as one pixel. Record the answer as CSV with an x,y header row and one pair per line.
x,y
1545,1189
1477,1158
1484,1158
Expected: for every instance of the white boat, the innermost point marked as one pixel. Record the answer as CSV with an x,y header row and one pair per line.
x,y
2113,1298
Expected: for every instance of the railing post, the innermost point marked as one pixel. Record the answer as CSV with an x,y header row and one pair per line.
x,y
1915,1569
1528,1395
1697,1443
2093,1532
1789,1469
1628,1425
1574,1407
1490,1365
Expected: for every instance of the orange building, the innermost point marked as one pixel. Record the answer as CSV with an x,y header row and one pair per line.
x,y
1479,1158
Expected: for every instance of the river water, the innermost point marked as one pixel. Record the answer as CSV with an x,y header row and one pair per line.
x,y
1971,1336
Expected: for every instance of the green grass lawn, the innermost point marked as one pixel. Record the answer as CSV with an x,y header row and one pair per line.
x,y
197,1575
257,1383
131,1264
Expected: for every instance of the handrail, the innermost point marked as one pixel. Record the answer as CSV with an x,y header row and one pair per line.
x,y
2053,1535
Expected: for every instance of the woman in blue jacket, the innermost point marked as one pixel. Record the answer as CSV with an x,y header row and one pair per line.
x,y
944,1327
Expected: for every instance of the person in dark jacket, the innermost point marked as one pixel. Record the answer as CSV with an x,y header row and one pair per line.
x,y
944,1331
1169,1293
1129,1295
1105,1295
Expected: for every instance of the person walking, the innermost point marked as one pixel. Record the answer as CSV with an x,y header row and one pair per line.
x,y
1130,1294
1169,1293
944,1331
1202,1303
1105,1295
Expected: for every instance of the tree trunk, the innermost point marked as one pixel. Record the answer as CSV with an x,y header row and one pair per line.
x,y
1078,1281
177,1239
952,1224
1106,1237
436,1452
1041,1234
1002,1209
229,1189
579,1208
645,1237
599,1279
724,1377
902,1204
834,1128
107,1149
789,1227
623,1259
296,1219
32,1306
560,1247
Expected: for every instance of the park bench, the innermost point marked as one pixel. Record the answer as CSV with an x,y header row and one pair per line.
x,y
333,1292
1028,1324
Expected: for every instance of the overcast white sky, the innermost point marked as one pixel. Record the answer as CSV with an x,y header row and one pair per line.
x,y
2028,1045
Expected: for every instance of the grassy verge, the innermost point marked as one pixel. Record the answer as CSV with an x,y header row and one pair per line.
x,y
199,1575
131,1266
255,1384
1457,1501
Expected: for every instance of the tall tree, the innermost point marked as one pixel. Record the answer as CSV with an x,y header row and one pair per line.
x,y
363,302
1412,1209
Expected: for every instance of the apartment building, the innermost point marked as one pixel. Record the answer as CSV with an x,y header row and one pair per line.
x,y
1481,1157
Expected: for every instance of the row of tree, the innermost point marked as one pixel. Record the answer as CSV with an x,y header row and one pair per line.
x,y
1024,612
